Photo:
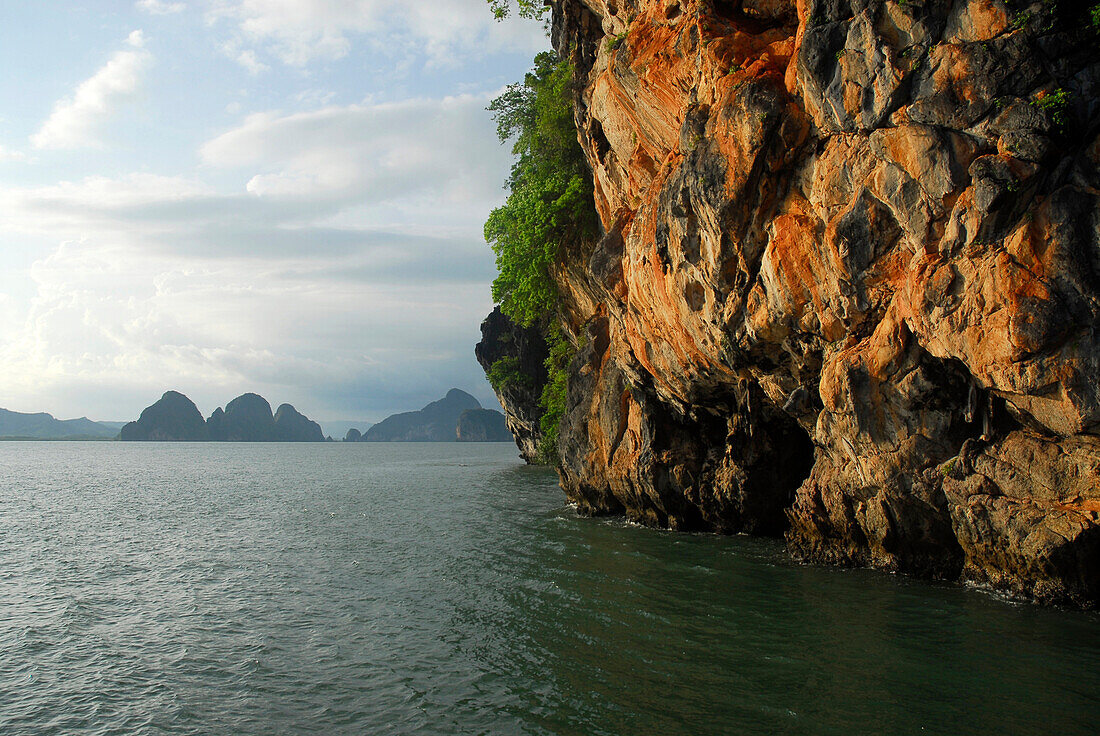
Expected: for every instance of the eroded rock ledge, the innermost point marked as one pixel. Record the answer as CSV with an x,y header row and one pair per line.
x,y
850,283
520,353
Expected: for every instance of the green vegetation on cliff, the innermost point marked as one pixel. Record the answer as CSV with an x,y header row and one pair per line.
x,y
506,372
550,190
549,207
553,396
527,8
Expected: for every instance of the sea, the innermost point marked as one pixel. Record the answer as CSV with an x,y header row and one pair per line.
x,y
370,588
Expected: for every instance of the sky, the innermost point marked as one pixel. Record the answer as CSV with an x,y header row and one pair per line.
x,y
221,196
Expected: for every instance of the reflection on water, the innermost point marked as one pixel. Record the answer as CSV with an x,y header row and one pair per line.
x,y
439,589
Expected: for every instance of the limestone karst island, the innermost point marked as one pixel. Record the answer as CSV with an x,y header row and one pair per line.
x,y
602,367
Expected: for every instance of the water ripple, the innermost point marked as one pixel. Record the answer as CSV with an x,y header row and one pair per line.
x,y
446,589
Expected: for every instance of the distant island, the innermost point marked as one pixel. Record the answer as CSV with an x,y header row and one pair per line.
x,y
457,417
16,425
339,428
247,418
482,425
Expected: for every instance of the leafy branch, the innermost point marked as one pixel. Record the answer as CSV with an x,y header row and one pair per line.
x,y
527,8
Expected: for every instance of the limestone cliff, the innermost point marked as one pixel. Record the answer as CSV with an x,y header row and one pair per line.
x,y
172,418
246,418
293,426
849,286
515,359
482,425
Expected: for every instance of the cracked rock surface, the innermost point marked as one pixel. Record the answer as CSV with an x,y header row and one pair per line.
x,y
849,286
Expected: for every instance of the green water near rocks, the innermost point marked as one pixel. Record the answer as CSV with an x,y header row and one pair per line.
x,y
447,589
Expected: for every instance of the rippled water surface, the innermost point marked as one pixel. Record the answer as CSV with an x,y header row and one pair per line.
x,y
447,589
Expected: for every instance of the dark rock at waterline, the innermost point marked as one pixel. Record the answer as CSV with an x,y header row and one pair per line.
x,y
174,418
482,425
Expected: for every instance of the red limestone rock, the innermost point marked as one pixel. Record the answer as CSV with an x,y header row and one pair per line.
x,y
850,284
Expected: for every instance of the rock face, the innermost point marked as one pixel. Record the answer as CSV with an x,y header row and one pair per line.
x,y
482,425
850,283
522,351
436,422
174,418
246,418
353,435
292,426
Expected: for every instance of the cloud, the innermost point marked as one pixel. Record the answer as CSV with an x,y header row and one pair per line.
x,y
159,7
77,121
425,167
7,154
441,148
301,31
109,314
253,65
345,273
313,98
247,58
179,217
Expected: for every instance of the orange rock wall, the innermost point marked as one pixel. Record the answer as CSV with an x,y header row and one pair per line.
x,y
850,282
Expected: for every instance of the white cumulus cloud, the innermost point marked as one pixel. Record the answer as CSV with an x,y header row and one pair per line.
x,y
77,122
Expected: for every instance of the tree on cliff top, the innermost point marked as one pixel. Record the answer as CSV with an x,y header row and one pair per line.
x,y
550,201
527,8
